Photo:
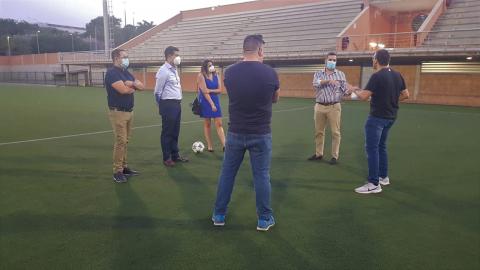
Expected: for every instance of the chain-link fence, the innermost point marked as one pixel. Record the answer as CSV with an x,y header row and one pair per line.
x,y
55,78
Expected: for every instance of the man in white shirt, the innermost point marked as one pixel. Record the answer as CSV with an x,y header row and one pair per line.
x,y
168,94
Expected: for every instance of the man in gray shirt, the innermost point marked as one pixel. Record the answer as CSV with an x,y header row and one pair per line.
x,y
168,94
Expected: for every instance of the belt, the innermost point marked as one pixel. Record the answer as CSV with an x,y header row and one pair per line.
x,y
171,100
327,104
120,109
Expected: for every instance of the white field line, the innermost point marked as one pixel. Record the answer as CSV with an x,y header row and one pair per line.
x,y
109,131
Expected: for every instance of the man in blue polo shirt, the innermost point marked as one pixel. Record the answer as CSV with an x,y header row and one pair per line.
x,y
252,88
121,85
386,88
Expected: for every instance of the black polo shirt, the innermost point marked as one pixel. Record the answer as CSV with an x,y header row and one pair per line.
x,y
114,98
386,85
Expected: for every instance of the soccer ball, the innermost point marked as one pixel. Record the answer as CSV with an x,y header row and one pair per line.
x,y
198,147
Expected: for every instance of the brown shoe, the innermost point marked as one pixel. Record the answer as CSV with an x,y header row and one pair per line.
x,y
169,163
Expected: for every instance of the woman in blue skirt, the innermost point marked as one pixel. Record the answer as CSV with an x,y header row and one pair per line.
x,y
209,90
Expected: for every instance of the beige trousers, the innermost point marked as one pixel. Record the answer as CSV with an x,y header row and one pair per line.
x,y
330,114
122,130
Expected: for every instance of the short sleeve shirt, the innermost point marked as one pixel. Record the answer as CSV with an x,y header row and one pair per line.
x,y
114,98
250,86
385,85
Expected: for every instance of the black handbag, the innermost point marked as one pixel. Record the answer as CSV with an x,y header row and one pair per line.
x,y
196,108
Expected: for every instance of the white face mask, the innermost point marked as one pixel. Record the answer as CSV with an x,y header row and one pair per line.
x,y
125,63
211,69
177,60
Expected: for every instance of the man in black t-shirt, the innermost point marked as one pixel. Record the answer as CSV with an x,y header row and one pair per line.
x,y
386,88
252,88
120,85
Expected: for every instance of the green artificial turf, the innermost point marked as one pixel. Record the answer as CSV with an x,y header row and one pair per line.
x,y
59,208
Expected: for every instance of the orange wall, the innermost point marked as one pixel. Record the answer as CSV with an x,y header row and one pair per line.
x,y
356,32
296,84
392,22
450,89
150,80
189,81
352,73
409,74
373,22
404,20
4,60
380,21
30,59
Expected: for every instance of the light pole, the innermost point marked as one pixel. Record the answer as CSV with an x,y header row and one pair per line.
x,y
38,45
8,45
73,48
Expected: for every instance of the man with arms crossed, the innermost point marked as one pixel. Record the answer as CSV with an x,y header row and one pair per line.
x,y
120,85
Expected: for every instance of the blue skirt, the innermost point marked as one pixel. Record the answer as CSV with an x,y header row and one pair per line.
x,y
207,109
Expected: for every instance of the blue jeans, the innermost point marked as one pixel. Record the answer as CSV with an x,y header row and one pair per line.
x,y
171,112
260,149
376,133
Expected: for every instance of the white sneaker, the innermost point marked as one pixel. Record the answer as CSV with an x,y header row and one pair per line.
x,y
369,188
384,181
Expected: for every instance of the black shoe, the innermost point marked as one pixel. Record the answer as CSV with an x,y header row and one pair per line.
x,y
119,177
333,161
129,172
180,159
315,157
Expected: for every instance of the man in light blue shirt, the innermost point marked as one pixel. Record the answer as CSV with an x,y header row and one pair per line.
x,y
168,94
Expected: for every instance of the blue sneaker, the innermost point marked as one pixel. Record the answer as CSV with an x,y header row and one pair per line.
x,y
218,220
264,225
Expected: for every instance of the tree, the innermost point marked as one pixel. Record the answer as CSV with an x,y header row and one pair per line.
x,y
95,29
120,35
23,36
11,27
125,34
143,26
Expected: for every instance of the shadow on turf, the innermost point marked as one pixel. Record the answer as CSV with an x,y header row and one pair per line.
x,y
131,246
246,239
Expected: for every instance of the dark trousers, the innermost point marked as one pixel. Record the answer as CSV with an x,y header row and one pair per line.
x,y
171,112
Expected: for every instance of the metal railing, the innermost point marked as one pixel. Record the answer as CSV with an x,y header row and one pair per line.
x,y
444,39
84,57
54,78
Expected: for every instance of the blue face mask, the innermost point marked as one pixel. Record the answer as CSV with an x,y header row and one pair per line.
x,y
331,65
125,63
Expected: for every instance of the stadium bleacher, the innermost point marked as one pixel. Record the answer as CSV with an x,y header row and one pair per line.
x,y
458,26
308,28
